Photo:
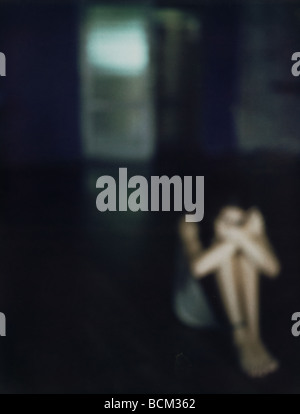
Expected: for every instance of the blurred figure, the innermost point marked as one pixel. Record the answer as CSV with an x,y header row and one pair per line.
x,y
239,252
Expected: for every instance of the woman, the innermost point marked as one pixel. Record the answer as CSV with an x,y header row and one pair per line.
x,y
239,253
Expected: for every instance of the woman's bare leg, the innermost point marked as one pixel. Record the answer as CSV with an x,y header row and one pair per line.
x,y
238,283
254,357
228,287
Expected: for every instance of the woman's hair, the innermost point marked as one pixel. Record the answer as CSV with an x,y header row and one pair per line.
x,y
220,193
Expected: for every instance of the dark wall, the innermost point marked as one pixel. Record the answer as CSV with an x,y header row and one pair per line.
x,y
220,78
39,97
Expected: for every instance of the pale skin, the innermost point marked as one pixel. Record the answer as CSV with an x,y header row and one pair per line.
x,y
239,254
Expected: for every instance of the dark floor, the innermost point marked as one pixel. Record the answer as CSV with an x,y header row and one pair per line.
x,y
87,295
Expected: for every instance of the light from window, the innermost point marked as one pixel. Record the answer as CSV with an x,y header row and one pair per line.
x,y
119,49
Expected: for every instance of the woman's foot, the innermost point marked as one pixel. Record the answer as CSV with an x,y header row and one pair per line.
x,y
255,360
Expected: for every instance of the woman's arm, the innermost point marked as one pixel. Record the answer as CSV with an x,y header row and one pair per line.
x,y
190,239
202,262
259,250
211,259
251,239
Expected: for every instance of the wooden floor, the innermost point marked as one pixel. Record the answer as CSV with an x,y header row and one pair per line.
x,y
88,296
